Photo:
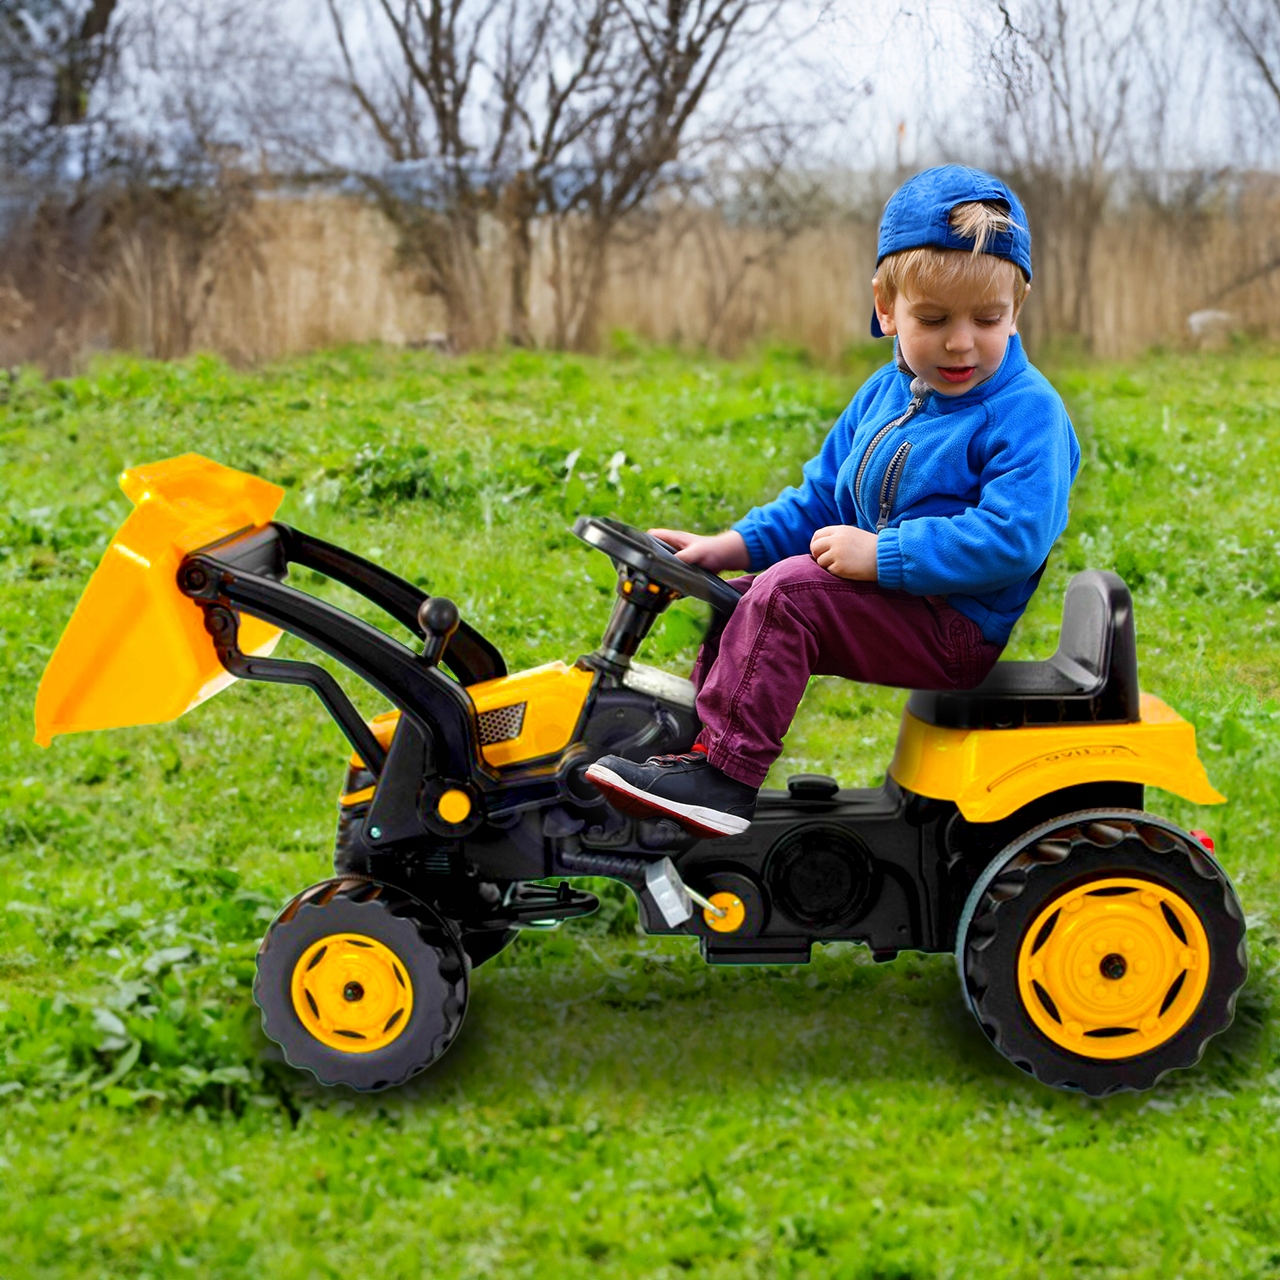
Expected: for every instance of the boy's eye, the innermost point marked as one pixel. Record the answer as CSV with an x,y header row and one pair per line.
x,y
987,320
932,320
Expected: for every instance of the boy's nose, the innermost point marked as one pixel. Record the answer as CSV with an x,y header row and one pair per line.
x,y
960,338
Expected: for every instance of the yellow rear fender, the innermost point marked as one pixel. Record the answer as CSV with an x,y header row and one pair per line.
x,y
135,650
990,773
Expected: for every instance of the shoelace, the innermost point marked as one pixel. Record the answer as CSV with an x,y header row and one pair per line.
x,y
686,757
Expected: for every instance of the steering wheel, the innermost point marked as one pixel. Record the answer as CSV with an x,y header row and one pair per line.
x,y
625,544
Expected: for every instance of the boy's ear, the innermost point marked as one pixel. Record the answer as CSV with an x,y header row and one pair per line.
x,y
885,317
1013,328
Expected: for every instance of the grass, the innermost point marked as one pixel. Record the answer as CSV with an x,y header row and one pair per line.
x,y
613,1106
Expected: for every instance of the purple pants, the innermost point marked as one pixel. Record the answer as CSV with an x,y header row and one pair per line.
x,y
798,620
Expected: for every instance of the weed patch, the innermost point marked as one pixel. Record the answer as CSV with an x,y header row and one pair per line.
x,y
613,1107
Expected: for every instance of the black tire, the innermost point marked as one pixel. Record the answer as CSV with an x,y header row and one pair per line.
x,y
349,860
1065,854
421,941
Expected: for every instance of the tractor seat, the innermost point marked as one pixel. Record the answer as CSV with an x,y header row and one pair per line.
x,y
1093,676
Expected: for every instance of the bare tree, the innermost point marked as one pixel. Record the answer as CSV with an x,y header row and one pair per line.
x,y
131,134
568,110
554,90
1065,79
1253,28
217,84
1254,25
83,64
446,91
741,212
671,56
54,54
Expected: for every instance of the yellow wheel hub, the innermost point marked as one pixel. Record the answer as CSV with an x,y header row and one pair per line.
x,y
352,992
735,912
1113,968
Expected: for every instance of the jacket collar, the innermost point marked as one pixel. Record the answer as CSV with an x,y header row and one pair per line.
x,y
1014,362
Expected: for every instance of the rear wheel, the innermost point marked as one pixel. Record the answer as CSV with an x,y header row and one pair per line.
x,y
1102,950
360,983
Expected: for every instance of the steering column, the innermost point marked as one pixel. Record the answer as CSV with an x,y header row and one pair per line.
x,y
650,577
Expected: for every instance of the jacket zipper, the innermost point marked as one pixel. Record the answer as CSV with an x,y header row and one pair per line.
x,y
920,390
892,479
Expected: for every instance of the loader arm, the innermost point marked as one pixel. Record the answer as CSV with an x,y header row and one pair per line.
x,y
470,657
189,596
243,573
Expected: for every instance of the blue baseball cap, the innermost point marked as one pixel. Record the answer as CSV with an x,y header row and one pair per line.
x,y
919,214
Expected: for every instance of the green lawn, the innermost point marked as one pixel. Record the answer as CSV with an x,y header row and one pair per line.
x,y
613,1107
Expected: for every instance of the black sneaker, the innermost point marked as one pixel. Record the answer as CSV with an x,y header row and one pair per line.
x,y
687,788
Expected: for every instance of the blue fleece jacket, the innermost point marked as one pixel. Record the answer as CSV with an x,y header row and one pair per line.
x,y
968,492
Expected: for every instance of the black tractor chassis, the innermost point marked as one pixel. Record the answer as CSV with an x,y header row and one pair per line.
x,y
878,866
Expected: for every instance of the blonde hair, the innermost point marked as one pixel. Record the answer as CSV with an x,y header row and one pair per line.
x,y
921,271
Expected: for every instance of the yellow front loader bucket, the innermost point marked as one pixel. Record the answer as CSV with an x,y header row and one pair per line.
x,y
135,650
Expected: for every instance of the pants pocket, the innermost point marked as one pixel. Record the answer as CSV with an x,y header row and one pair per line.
x,y
974,655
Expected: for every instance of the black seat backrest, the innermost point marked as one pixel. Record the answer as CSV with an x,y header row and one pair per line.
x,y
1093,676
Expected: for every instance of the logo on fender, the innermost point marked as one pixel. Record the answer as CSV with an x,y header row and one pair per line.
x,y
1063,755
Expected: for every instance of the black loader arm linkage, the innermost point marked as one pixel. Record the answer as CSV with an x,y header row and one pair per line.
x,y
469,656
245,571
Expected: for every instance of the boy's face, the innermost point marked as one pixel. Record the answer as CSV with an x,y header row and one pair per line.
x,y
949,338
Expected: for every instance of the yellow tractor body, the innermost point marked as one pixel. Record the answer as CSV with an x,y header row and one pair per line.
x,y
991,773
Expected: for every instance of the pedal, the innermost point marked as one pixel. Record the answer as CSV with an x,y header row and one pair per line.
x,y
537,906
663,835
673,898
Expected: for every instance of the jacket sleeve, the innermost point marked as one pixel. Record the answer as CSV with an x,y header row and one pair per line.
x,y
785,526
1027,465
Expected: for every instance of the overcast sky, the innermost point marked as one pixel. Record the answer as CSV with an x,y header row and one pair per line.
x,y
884,84
911,72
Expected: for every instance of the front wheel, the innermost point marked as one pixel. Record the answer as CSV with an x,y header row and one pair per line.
x,y
1101,950
360,983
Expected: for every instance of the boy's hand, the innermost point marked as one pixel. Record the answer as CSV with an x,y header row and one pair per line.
x,y
714,553
845,551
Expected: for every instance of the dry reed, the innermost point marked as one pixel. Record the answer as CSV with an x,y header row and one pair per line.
x,y
288,274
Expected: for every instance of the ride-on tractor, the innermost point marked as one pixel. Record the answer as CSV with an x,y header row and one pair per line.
x,y
1098,945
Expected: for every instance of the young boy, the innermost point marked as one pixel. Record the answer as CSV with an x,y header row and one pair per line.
x,y
921,528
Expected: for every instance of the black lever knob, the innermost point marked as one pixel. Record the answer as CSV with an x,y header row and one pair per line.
x,y
438,619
